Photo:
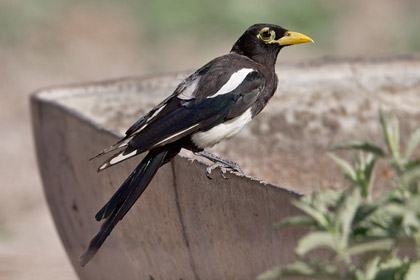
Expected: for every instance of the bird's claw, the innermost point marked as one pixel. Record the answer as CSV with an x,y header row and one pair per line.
x,y
236,167
225,165
231,166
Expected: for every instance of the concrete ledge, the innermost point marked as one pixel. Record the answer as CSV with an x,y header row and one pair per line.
x,y
184,225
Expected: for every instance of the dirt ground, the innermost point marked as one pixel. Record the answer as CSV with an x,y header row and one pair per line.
x,y
63,50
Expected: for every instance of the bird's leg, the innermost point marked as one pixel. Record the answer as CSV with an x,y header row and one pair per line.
x,y
224,164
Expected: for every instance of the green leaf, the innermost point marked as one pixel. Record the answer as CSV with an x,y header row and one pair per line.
x,y
346,210
390,131
297,268
413,204
413,272
347,168
315,240
326,198
313,269
413,175
393,269
318,216
412,143
296,221
359,145
359,232
363,212
412,164
393,195
371,246
368,177
372,267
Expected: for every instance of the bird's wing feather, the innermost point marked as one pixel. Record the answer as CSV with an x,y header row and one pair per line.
x,y
194,106
136,127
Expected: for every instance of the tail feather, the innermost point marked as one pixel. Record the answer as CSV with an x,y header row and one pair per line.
x,y
120,144
118,157
121,202
120,195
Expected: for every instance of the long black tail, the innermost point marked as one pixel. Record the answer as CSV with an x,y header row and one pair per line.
x,y
121,202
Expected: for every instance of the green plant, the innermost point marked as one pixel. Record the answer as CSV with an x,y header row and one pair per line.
x,y
361,238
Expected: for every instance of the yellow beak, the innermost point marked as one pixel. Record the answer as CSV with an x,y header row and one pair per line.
x,y
293,38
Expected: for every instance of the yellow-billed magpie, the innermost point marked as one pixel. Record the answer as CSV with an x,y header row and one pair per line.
x,y
211,105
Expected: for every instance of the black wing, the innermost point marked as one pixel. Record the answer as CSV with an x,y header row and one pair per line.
x,y
217,92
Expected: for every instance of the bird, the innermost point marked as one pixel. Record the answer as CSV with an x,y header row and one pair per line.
x,y
212,104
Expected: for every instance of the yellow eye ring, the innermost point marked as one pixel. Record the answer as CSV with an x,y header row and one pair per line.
x,y
266,35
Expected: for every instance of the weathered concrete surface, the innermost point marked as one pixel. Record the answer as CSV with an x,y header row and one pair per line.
x,y
186,226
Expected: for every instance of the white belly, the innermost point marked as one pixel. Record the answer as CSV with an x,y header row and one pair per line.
x,y
222,131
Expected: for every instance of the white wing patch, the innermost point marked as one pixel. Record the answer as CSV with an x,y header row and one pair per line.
x,y
155,113
121,157
121,144
189,90
176,134
116,159
222,131
234,81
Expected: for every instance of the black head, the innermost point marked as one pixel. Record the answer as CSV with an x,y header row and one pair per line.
x,y
262,42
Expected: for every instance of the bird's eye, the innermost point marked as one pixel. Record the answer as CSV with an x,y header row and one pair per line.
x,y
266,35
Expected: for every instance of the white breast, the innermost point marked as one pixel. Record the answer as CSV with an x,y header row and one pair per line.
x,y
222,131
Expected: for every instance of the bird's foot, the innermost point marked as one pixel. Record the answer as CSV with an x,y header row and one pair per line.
x,y
223,164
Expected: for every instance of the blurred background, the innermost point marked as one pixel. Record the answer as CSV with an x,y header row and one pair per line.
x,y
56,42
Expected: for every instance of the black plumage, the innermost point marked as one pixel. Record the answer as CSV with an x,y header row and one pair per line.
x,y
211,105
